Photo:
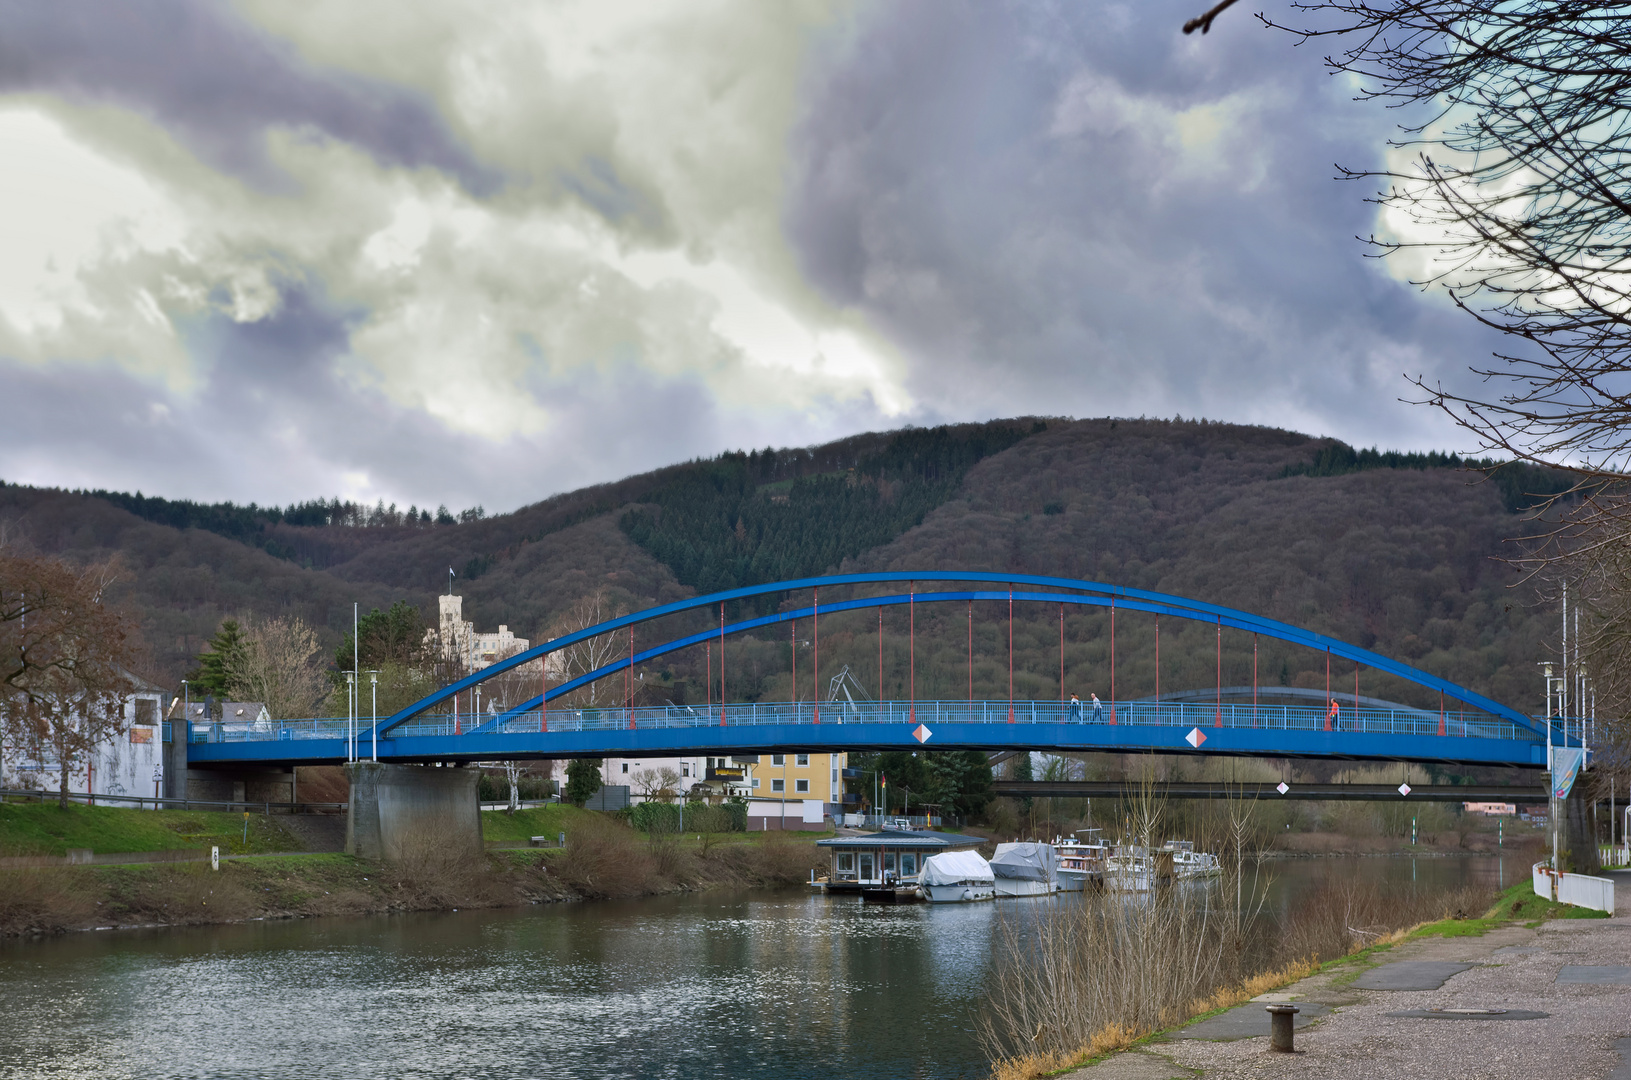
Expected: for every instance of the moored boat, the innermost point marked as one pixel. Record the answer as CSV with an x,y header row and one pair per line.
x,y
1080,861
1188,863
956,877
1026,868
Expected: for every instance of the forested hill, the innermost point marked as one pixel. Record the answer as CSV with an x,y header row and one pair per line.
x,y
1394,551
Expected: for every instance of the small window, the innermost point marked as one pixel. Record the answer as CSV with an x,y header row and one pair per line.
x,y
801,785
846,862
147,711
803,760
685,770
778,785
755,783
778,759
625,766
908,864
835,776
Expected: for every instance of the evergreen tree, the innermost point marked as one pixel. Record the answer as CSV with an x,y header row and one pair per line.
x,y
396,635
582,780
220,666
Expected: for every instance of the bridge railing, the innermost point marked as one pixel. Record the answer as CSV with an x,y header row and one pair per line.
x,y
1370,721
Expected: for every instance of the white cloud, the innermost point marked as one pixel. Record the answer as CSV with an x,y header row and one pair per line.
x,y
634,234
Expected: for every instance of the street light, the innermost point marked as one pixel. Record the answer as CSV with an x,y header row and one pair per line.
x,y
373,686
351,716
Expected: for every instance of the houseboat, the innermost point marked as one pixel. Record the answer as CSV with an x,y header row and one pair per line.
x,y
892,857
1081,861
1025,869
956,877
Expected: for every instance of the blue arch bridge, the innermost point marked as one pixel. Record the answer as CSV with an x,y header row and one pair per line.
x,y
444,728
1466,728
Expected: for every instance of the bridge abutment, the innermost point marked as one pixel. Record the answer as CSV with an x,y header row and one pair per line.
x,y
397,811
246,785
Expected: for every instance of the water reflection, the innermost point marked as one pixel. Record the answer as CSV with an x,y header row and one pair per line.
x,y
784,985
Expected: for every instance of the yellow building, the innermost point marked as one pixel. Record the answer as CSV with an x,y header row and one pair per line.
x,y
799,777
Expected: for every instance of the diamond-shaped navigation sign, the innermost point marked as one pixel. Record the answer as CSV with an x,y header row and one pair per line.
x,y
921,733
1283,787
1195,737
1404,789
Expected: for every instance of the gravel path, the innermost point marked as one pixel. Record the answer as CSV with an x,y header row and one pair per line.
x,y
1585,1034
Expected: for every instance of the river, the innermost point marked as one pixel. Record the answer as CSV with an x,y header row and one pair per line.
x,y
783,984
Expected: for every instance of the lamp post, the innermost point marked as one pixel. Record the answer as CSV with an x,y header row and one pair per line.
x,y
373,688
1553,810
351,716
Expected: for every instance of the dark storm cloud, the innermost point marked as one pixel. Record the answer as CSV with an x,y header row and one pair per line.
x,y
217,83
276,419
1001,187
273,420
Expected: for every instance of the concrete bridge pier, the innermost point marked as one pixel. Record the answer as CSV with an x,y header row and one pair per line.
x,y
407,811
1577,841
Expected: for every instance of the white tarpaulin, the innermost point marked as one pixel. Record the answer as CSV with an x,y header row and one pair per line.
x,y
952,867
1024,862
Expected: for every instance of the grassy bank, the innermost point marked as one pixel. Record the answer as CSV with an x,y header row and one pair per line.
x,y
603,859
31,828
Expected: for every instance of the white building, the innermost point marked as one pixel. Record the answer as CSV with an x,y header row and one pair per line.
x,y
458,639
130,764
716,776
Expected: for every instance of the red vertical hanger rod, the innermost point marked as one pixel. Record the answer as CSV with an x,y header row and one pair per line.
x,y
1329,700
1112,660
1219,721
815,635
911,651
1010,656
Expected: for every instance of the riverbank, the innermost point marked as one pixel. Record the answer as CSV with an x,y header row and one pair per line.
x,y
1418,1004
603,859
1524,842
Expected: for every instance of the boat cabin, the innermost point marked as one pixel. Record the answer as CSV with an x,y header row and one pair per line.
x,y
876,859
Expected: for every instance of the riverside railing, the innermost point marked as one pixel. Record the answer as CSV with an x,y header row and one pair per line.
x,y
1370,721
166,802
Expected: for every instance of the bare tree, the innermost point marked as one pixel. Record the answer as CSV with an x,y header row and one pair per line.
x,y
590,654
1516,204
281,665
66,655
659,785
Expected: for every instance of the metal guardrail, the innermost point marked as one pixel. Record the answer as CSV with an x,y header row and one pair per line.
x,y
144,802
1579,889
1370,721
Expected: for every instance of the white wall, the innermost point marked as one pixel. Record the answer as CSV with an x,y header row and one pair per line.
x,y
123,765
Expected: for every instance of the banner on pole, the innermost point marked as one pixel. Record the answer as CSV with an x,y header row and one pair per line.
x,y
1566,761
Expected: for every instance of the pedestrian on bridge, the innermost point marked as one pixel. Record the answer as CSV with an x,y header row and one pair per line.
x,y
1075,709
1098,708
1333,719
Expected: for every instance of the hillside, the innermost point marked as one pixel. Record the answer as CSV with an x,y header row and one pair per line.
x,y
1395,552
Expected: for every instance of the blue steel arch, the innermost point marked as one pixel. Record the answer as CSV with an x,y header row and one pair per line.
x,y
1100,595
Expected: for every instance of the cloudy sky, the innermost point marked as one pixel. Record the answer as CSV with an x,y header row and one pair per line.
x,y
460,253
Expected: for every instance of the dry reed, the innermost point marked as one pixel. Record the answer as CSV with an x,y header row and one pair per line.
x,y
1078,979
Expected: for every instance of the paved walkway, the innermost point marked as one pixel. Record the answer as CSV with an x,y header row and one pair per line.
x,y
1565,988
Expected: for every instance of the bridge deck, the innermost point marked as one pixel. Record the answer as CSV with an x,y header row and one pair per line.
x,y
1096,789
1183,727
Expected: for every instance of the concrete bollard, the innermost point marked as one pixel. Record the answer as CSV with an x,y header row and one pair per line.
x,y
1280,1031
